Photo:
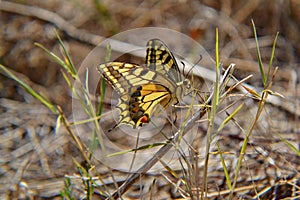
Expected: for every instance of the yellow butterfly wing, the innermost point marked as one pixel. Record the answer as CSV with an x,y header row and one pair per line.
x,y
161,59
141,89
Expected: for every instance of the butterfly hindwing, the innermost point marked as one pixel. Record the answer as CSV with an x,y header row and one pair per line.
x,y
144,100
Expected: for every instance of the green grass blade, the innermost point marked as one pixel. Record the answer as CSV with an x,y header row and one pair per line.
x,y
217,87
148,146
102,84
273,54
229,117
261,67
42,99
225,168
68,60
291,146
211,117
55,57
67,64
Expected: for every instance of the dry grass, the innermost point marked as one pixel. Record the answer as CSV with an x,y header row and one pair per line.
x,y
34,158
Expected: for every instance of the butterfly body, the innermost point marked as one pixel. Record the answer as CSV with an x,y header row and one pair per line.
x,y
141,89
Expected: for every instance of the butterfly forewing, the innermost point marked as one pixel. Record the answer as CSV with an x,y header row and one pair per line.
x,y
161,59
114,71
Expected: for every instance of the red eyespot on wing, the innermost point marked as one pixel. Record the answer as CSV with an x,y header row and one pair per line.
x,y
144,119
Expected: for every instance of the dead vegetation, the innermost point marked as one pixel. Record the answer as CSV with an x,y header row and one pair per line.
x,y
34,158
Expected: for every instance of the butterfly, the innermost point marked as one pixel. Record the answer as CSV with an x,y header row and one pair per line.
x,y
141,89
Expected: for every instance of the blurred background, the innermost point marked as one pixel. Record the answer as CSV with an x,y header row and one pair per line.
x,y
33,155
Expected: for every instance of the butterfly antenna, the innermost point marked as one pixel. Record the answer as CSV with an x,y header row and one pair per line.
x,y
115,126
183,66
200,58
